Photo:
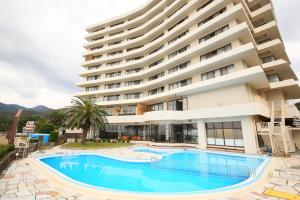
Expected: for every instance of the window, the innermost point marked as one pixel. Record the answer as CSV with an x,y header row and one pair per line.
x,y
98,38
115,53
156,63
156,91
213,34
179,84
97,57
134,70
157,37
179,67
91,78
129,29
113,74
204,5
215,52
94,67
218,72
224,133
264,40
175,53
109,111
129,110
113,85
134,37
111,98
99,29
212,16
116,24
178,37
133,59
159,48
273,78
114,63
95,48
175,104
175,25
133,48
116,33
133,96
156,107
90,89
156,76
268,59
131,83
114,43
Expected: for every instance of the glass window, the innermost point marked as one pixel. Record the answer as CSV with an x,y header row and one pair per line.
x,y
225,133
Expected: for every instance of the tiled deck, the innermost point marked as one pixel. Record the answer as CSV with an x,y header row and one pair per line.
x,y
22,181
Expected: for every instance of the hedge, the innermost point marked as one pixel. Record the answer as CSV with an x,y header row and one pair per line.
x,y
4,149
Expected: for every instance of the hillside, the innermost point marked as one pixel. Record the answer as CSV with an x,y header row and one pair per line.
x,y
12,108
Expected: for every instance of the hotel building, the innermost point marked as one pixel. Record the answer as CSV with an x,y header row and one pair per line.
x,y
210,73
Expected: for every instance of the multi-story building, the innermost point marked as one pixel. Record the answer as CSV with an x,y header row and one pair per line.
x,y
202,72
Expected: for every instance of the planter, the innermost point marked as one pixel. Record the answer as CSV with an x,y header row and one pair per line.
x,y
7,159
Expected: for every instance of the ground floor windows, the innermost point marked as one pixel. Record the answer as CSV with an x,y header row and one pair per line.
x,y
173,133
225,133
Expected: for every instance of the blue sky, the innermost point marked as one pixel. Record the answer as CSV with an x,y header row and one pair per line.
x,y
41,44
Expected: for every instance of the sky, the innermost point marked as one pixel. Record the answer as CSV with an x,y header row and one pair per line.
x,y
41,44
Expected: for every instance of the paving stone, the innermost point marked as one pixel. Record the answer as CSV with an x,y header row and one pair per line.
x,y
24,193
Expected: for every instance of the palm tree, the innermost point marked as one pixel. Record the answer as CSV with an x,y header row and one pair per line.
x,y
85,114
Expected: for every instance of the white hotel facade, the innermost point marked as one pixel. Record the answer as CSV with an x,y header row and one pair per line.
x,y
202,72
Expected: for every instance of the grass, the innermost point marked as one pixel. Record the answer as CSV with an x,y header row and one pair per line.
x,y
94,145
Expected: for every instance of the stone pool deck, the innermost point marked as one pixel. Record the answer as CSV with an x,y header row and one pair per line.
x,y
22,180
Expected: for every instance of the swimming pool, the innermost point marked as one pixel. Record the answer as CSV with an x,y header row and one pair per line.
x,y
150,150
178,172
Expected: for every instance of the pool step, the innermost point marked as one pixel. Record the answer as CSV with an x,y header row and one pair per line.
x,y
282,195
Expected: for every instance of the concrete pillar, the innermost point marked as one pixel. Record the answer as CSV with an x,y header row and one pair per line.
x,y
249,135
201,134
144,132
168,130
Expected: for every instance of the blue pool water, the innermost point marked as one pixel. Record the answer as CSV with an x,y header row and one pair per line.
x,y
154,151
186,171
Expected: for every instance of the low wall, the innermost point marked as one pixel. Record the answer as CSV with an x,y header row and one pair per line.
x,y
6,160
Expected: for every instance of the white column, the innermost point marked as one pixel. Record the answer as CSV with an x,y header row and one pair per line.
x,y
201,134
168,129
144,133
249,135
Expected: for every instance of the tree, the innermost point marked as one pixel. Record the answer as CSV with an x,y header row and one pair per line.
x,y
57,118
85,114
298,105
6,123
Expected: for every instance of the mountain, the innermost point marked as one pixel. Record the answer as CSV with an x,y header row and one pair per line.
x,y
12,108
41,109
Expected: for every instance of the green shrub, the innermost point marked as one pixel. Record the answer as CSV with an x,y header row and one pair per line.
x,y
34,140
53,136
4,149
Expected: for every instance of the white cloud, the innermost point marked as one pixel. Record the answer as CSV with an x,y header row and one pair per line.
x,y
41,46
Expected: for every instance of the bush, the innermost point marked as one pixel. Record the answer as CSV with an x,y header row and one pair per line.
x,y
34,140
4,149
53,136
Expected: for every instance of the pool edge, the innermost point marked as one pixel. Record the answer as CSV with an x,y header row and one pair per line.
x,y
75,187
